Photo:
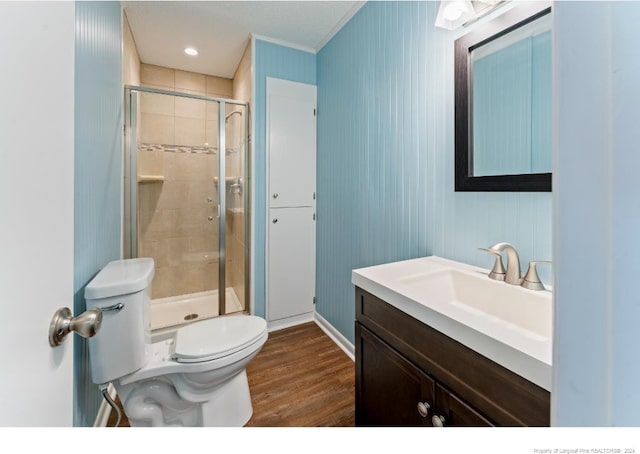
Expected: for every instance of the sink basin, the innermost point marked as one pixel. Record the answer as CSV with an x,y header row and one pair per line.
x,y
482,297
506,323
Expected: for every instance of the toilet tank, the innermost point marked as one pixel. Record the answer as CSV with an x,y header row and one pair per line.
x,y
122,344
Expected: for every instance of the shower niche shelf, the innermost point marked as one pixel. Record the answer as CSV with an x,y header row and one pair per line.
x,y
144,179
228,180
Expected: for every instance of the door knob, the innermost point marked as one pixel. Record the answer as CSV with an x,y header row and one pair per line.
x,y
423,409
86,324
437,421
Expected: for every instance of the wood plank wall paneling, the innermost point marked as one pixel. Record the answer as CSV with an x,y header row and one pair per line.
x,y
385,159
98,173
300,378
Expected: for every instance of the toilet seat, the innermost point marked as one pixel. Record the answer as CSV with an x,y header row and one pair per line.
x,y
217,337
162,359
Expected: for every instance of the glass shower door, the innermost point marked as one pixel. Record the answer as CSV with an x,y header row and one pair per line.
x,y
236,204
177,204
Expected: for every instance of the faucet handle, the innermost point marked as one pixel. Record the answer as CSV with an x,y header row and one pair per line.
x,y
497,272
531,279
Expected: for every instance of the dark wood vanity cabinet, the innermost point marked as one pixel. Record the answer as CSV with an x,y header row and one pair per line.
x,y
393,386
408,374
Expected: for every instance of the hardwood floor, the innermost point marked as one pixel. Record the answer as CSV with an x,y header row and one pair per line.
x,y
300,378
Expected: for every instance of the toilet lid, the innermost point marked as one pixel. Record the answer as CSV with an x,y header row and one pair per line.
x,y
217,337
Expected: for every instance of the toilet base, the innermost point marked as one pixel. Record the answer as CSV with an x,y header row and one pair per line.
x,y
230,404
155,403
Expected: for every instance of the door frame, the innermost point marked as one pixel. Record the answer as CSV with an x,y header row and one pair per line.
x,y
279,86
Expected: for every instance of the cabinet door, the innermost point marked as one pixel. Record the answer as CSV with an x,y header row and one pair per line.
x,y
389,388
454,412
292,261
291,143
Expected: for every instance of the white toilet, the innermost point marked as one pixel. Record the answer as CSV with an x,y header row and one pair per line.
x,y
193,376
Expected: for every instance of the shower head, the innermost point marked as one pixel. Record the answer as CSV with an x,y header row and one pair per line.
x,y
232,113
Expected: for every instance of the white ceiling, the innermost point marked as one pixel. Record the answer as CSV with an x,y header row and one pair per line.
x,y
220,30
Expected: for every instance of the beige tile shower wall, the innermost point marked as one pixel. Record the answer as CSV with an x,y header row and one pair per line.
x,y
173,214
242,77
242,86
131,60
235,227
219,87
235,272
174,227
181,121
235,144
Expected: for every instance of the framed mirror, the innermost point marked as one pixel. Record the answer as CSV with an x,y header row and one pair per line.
x,y
503,103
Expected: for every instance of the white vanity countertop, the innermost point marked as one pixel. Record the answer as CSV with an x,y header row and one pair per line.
x,y
508,324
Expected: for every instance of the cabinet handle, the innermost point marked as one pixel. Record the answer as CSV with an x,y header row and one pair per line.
x,y
275,220
423,409
437,421
275,196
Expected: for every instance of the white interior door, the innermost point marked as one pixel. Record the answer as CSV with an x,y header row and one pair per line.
x,y
291,233
36,196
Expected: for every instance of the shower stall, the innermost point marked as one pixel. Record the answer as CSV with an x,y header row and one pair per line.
x,y
187,201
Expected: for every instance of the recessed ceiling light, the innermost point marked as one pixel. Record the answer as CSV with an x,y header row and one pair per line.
x,y
190,51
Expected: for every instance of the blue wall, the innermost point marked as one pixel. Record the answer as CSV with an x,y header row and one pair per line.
x,y
271,60
597,210
98,175
385,159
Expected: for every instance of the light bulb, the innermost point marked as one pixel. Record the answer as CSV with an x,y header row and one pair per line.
x,y
453,12
190,51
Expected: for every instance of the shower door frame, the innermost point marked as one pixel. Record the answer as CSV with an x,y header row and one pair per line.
x,y
130,199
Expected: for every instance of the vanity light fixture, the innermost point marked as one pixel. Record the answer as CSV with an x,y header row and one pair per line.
x,y
191,51
455,13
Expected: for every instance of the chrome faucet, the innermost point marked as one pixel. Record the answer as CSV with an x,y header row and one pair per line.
x,y
512,274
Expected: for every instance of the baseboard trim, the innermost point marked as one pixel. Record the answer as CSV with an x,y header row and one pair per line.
x,y
102,418
336,336
288,322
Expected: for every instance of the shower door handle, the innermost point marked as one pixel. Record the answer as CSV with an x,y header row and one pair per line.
x,y
217,214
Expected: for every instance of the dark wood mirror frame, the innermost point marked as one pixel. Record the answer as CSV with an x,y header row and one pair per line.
x,y
464,179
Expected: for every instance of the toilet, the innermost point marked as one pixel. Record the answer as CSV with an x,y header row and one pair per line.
x,y
192,376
